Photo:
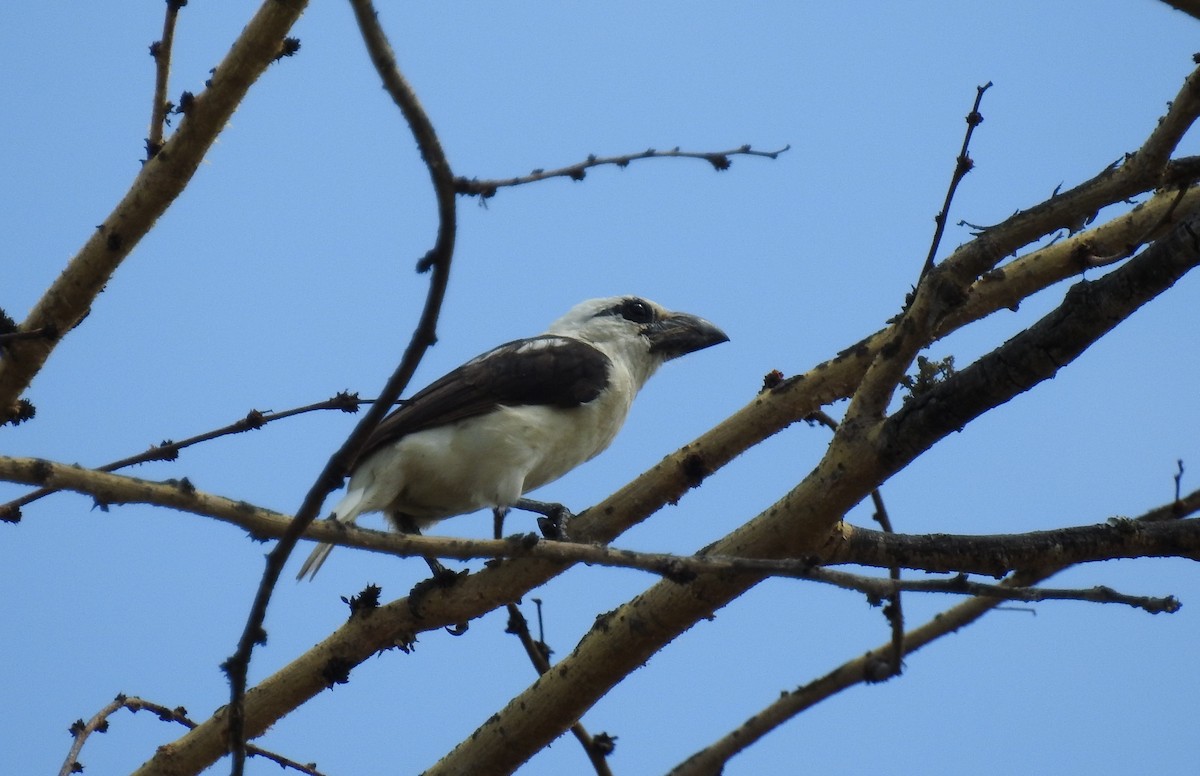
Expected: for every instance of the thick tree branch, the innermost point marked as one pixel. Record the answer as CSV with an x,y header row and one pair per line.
x,y
160,181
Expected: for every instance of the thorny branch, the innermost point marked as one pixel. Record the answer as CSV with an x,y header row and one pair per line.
x,y
720,160
866,454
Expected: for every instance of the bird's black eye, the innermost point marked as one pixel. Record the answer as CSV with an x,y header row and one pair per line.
x,y
636,310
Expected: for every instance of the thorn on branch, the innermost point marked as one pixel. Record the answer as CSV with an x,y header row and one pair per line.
x,y
288,48
720,162
364,602
929,374
165,451
772,380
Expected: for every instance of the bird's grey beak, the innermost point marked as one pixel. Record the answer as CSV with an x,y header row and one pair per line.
x,y
677,334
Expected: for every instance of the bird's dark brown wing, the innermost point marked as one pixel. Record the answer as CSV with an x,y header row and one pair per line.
x,y
550,370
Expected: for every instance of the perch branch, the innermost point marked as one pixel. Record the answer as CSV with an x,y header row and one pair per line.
x,y
1158,534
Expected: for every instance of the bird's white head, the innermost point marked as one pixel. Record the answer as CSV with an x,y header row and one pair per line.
x,y
638,331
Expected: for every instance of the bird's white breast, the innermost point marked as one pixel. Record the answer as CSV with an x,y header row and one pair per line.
x,y
491,460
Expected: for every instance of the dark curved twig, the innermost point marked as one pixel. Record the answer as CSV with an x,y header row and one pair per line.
x,y
485,188
438,259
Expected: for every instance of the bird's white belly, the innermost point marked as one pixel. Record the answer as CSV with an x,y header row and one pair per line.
x,y
485,461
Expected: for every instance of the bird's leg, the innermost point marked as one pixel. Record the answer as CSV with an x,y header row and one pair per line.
x,y
443,576
554,517
498,522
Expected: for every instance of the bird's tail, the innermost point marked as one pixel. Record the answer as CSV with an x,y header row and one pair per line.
x,y
346,511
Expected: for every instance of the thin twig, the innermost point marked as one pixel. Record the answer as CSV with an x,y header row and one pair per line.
x,y
485,188
169,450
161,51
438,259
962,166
893,610
80,731
880,588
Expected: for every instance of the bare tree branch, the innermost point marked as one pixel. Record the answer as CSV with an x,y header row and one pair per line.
x,y
596,748
784,403
1189,7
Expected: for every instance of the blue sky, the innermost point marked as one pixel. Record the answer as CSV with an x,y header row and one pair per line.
x,y
285,274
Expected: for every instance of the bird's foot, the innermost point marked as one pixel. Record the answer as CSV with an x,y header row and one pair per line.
x,y
554,517
442,578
